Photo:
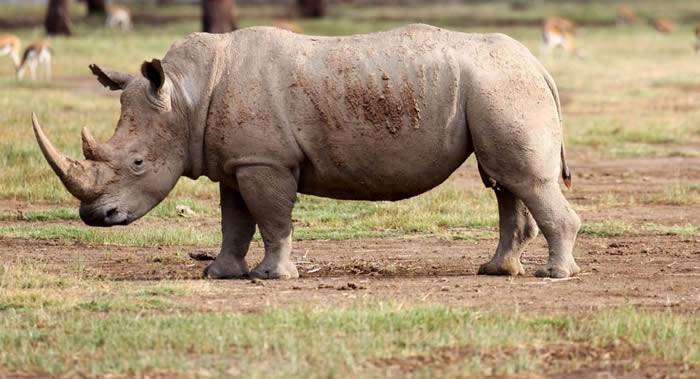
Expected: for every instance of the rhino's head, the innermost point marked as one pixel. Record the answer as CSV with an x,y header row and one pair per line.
x,y
122,179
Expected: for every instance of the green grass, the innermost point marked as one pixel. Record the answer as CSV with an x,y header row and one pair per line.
x,y
675,195
614,228
94,329
56,324
188,233
446,212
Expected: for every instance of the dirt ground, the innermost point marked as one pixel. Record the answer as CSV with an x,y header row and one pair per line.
x,y
649,270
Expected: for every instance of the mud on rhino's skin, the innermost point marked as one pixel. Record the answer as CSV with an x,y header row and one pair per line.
x,y
384,116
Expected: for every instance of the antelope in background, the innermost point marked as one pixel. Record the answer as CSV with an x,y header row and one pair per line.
x,y
10,45
626,15
37,56
697,39
118,17
290,25
559,32
663,25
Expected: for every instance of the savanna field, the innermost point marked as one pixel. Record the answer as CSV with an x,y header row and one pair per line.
x,y
386,289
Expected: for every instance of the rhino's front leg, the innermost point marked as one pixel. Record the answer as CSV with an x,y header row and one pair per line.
x,y
270,193
237,228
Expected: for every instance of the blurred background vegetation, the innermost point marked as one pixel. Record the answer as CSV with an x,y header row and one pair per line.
x,y
636,94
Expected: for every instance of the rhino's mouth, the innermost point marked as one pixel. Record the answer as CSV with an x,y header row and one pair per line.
x,y
104,215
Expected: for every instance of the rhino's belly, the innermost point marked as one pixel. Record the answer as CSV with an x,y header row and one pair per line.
x,y
384,169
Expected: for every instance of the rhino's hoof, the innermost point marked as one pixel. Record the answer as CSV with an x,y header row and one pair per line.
x,y
280,271
216,271
557,272
510,267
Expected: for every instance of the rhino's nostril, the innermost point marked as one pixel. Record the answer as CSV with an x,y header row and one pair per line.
x,y
111,212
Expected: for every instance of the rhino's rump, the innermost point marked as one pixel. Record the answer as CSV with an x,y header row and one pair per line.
x,y
378,120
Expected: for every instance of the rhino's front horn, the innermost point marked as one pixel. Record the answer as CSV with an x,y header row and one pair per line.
x,y
78,177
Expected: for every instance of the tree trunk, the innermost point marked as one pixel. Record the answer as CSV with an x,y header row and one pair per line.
x,y
312,8
58,18
218,17
96,7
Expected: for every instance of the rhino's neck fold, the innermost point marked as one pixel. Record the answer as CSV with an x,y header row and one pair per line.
x,y
193,99
197,125
195,66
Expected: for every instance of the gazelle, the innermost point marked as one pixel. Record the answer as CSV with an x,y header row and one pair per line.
x,y
559,32
288,25
37,55
118,16
663,25
697,39
10,45
626,15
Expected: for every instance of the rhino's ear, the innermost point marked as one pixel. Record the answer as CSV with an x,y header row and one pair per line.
x,y
159,93
111,79
153,71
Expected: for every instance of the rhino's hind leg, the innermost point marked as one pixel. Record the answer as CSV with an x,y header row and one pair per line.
x,y
559,224
517,228
237,228
270,193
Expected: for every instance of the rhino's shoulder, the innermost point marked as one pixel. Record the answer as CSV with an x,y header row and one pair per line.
x,y
194,42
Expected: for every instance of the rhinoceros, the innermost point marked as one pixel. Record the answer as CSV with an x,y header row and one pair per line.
x,y
268,114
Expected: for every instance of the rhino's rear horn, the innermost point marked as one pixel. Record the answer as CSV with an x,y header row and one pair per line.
x,y
92,150
78,176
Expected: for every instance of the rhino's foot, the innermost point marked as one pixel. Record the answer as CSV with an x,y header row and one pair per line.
x,y
499,266
275,270
227,270
558,271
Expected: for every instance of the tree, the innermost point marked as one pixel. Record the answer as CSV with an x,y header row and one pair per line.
x,y
58,18
311,8
96,7
218,17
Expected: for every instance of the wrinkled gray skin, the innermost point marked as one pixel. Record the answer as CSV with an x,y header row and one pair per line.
x,y
385,116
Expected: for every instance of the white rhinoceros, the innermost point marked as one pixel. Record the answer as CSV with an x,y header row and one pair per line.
x,y
385,116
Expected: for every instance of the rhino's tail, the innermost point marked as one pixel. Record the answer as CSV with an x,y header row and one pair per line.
x,y
565,172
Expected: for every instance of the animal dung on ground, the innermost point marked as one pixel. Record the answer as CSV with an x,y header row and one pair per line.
x,y
184,211
201,256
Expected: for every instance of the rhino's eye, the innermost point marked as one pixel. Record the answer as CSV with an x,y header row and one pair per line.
x,y
137,166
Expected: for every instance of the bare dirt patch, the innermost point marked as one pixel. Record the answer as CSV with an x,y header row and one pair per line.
x,y
655,271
